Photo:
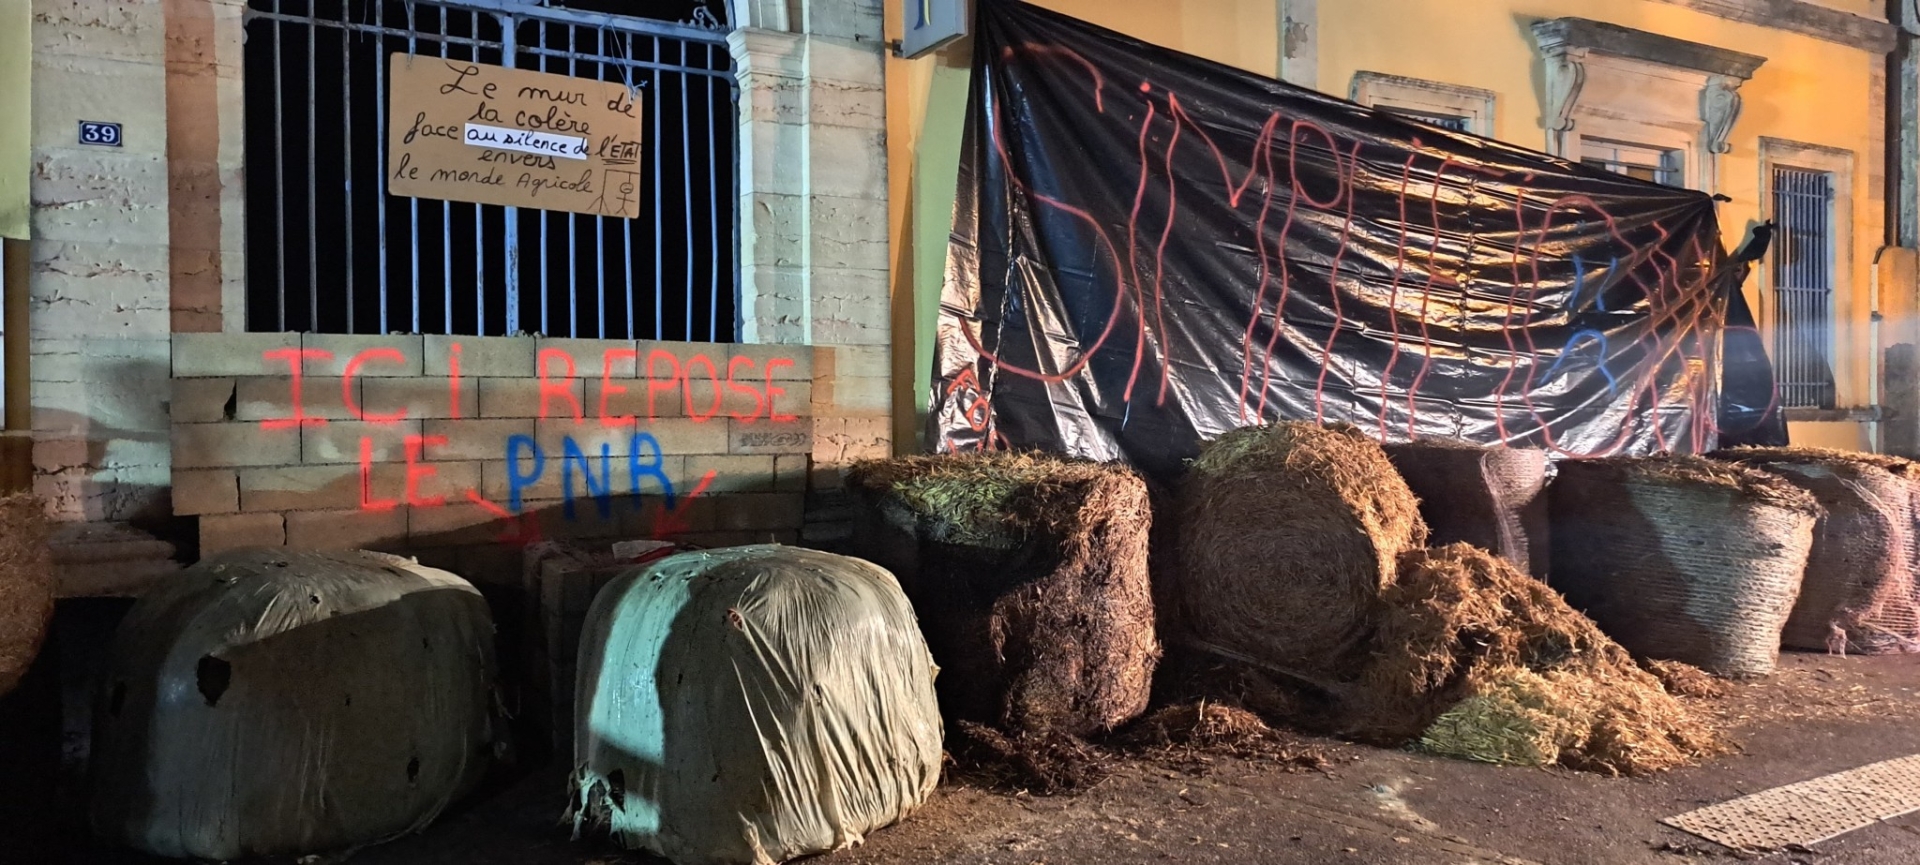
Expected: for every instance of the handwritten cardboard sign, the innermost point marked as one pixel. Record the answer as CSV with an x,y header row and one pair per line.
x,y
463,131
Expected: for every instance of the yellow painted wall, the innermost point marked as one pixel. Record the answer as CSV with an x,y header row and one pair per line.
x,y
1808,90
16,158
926,101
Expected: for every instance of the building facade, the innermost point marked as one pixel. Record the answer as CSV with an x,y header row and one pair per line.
x,y
223,329
1781,109
231,333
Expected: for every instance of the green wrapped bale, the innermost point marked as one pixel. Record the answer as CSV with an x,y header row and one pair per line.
x,y
752,705
269,702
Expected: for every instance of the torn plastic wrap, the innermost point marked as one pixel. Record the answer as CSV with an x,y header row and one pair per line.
x,y
290,702
751,705
1750,410
1150,249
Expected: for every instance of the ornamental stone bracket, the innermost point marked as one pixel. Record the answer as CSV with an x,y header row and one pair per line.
x,y
1571,48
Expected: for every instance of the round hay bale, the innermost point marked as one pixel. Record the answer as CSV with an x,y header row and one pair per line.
x,y
1288,534
275,701
1683,558
1474,659
1858,592
1030,580
1491,497
752,705
26,585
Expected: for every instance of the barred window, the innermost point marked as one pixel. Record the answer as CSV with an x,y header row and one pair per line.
x,y
329,250
1803,278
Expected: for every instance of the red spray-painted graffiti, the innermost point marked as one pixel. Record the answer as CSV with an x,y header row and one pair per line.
x,y
760,397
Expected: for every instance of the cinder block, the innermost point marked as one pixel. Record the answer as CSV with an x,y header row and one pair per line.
x,y
590,357
688,436
520,398
348,529
853,396
777,361
473,439
731,474
553,436
340,441
586,520
768,438
869,361
230,531
209,491
202,400
201,355
788,399
271,398
638,398
543,486
456,523
758,511
214,445
318,487
417,398
481,356
790,473
375,351
841,440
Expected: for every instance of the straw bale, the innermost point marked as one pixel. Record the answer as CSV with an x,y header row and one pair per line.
x,y
1687,680
1474,659
26,585
1858,591
1029,575
1683,558
1491,497
1289,532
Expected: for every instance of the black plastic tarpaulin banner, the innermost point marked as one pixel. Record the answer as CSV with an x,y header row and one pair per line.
x,y
1150,249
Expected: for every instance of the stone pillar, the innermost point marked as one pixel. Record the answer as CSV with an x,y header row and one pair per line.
x,y
1299,43
206,151
100,265
813,215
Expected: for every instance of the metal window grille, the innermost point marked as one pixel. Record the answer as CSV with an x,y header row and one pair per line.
x,y
1803,262
330,251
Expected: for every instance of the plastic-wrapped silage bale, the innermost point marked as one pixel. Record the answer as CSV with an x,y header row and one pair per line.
x,y
281,701
751,705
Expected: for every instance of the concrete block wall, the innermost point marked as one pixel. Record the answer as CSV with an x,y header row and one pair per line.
x,y
101,260
450,447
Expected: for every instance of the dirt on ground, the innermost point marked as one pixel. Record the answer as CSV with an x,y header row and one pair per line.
x,y
1295,799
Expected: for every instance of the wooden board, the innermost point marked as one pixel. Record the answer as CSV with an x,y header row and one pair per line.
x,y
463,131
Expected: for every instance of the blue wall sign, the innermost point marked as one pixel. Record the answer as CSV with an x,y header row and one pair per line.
x,y
100,133
931,24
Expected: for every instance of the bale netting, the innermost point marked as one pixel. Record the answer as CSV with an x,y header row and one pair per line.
x,y
1683,558
283,702
1029,574
1474,659
1491,497
26,585
1288,534
1858,592
751,705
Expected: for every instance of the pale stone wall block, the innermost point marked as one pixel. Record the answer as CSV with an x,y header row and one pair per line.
x,y
210,491
230,531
